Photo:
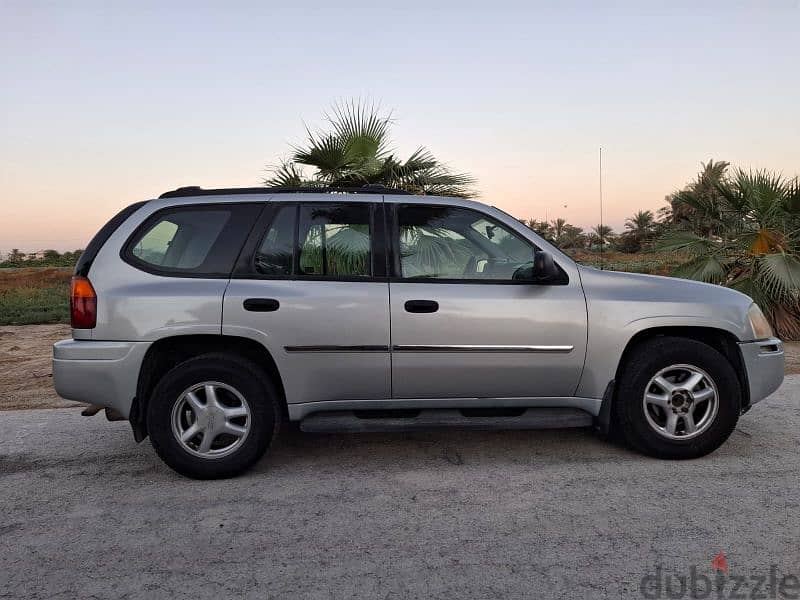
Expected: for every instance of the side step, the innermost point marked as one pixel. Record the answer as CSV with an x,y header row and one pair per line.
x,y
424,420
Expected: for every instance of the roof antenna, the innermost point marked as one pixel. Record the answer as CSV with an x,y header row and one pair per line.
x,y
602,243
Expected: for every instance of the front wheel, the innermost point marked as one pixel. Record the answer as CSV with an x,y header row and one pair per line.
x,y
212,416
677,398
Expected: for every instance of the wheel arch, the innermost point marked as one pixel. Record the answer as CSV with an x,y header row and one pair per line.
x,y
720,339
166,353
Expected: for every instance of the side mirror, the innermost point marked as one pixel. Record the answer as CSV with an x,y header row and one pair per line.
x,y
543,269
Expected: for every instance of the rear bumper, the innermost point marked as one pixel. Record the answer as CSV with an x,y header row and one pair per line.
x,y
764,362
101,373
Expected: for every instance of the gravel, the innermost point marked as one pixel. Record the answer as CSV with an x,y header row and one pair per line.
x,y
453,514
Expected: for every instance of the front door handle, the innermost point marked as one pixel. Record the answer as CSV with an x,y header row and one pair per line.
x,y
421,306
261,304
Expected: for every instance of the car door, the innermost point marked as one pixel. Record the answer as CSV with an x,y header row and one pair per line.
x,y
464,323
311,286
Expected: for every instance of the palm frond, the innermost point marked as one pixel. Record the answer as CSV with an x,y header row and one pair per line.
x,y
355,151
780,274
687,242
747,284
358,122
703,268
793,196
326,153
420,160
287,174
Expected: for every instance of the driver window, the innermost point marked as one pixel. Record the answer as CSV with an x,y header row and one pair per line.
x,y
445,242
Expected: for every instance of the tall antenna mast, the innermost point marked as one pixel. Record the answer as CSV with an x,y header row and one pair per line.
x,y
601,209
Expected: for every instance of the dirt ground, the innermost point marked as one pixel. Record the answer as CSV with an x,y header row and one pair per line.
x,y
26,379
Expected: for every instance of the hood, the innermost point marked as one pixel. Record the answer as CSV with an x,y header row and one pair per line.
x,y
649,288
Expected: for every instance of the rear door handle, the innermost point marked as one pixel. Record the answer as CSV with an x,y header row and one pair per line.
x,y
421,306
261,304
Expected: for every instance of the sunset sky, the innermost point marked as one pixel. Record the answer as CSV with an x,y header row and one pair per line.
x,y
104,104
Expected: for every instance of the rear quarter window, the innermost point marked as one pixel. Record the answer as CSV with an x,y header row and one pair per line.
x,y
191,241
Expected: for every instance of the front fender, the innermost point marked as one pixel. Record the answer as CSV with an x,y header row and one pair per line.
x,y
607,342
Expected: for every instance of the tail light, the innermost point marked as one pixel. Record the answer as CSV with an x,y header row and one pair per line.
x,y
83,304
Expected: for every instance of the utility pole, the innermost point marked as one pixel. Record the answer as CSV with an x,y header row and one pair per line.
x,y
601,208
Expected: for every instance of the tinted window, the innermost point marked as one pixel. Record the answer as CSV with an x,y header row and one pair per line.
x,y
274,256
335,240
181,240
442,242
195,240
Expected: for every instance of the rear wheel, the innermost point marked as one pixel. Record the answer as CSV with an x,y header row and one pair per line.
x,y
212,416
677,398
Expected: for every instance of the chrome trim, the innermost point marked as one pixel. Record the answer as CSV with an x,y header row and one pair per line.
x,y
768,346
336,348
432,348
481,348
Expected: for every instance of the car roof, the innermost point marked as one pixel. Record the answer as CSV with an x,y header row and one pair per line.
x,y
197,195
193,190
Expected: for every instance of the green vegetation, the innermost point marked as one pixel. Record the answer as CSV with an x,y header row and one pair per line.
x,y
740,229
47,258
29,296
26,306
355,150
652,263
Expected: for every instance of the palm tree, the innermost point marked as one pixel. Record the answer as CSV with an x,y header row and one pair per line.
x,y
543,228
565,235
573,237
355,151
602,234
641,225
697,207
558,229
640,229
751,246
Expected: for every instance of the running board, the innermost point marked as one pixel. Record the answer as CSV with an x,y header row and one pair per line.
x,y
423,420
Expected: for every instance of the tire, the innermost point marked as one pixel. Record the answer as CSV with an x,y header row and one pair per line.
x,y
243,419
686,426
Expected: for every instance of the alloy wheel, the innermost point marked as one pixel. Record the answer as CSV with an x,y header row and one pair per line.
x,y
681,402
211,419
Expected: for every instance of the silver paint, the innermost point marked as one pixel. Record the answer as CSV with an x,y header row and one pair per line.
x,y
488,345
315,314
101,373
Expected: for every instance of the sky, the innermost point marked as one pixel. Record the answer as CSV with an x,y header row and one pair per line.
x,y
107,103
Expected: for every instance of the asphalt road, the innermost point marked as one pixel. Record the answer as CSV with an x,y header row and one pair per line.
x,y
84,512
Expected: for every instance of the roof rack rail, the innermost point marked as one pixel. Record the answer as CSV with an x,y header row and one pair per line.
x,y
194,190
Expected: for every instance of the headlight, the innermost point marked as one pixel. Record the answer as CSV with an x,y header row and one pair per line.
x,y
758,322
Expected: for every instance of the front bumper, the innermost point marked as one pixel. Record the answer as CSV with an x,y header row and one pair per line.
x,y
101,373
764,363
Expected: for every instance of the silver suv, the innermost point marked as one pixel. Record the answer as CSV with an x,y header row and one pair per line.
x,y
207,318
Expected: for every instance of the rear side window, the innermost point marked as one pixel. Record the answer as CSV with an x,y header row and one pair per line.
x,y
335,241
332,241
194,241
181,240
